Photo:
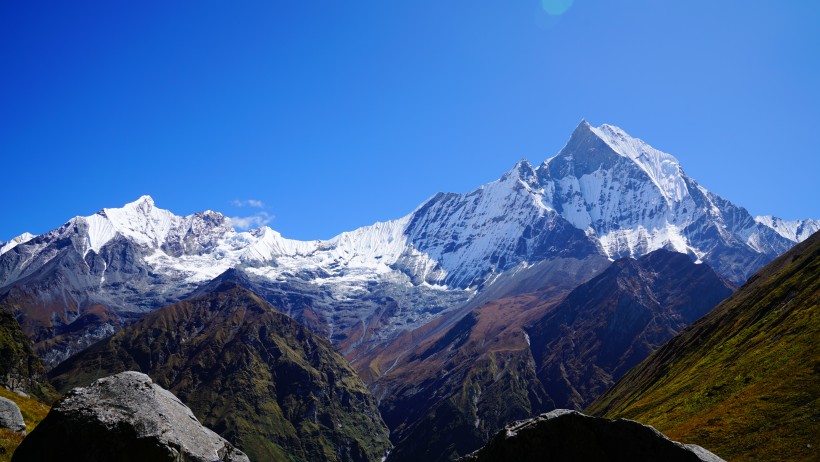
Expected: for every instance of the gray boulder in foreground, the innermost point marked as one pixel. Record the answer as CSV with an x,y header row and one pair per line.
x,y
10,416
564,435
125,417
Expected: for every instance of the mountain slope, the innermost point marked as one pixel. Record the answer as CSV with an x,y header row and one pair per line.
x,y
605,194
614,321
445,388
742,381
633,199
250,373
20,368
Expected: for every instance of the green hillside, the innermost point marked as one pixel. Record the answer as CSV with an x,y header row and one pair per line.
x,y
744,381
250,373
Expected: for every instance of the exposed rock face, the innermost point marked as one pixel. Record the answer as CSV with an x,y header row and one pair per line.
x,y
125,417
20,368
611,323
251,373
10,416
564,435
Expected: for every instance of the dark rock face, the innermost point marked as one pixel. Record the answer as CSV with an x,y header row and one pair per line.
x,y
20,368
611,323
564,435
251,373
126,418
10,416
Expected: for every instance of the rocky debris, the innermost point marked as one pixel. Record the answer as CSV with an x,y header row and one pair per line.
x,y
125,417
565,435
10,416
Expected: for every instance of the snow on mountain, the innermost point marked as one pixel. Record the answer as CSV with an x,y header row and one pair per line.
x,y
793,230
633,199
21,239
605,193
500,225
627,197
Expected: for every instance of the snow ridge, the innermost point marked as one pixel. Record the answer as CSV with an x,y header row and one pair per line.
x,y
15,241
793,230
626,197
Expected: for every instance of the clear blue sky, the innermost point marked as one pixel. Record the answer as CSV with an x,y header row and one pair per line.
x,y
337,114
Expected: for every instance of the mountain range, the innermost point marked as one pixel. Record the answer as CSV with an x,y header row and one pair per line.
x,y
604,194
536,291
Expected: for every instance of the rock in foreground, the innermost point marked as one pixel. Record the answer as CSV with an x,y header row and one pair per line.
x,y
125,417
10,416
564,435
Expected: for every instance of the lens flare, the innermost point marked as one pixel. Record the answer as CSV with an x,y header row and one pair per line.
x,y
556,7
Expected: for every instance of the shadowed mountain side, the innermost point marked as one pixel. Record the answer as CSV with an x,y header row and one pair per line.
x,y
548,278
614,321
455,390
446,388
252,374
20,368
743,381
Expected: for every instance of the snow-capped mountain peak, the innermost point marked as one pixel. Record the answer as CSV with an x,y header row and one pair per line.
x,y
15,241
605,194
139,221
793,230
664,169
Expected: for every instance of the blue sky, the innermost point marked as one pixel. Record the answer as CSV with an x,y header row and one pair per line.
x,y
334,115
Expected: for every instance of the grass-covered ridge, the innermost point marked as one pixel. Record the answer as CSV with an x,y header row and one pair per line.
x,y
744,382
33,412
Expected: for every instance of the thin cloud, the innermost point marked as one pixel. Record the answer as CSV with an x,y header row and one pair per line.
x,y
257,204
253,221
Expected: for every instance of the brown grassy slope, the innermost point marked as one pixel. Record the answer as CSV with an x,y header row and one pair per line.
x,y
744,381
33,412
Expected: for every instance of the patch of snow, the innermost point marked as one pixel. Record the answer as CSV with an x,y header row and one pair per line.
x,y
793,230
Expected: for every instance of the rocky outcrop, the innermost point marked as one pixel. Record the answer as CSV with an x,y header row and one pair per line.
x,y
125,417
564,435
10,416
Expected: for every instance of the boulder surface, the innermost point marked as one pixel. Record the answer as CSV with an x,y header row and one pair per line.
x,y
125,417
564,435
10,416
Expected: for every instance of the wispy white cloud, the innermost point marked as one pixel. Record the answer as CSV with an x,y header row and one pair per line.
x,y
254,221
257,204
